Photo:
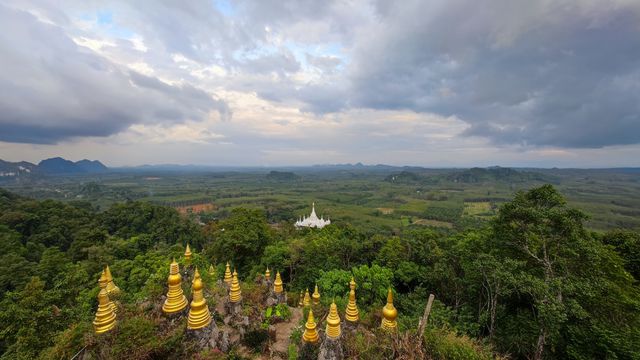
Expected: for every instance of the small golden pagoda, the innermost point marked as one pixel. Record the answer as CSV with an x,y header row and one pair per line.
x,y
212,272
187,254
389,314
277,284
234,292
352,314
227,275
267,274
112,289
333,322
300,302
307,298
316,296
105,319
102,283
199,315
310,334
176,301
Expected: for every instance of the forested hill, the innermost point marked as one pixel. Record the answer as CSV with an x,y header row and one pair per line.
x,y
533,283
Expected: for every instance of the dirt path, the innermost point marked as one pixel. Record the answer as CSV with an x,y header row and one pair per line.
x,y
284,330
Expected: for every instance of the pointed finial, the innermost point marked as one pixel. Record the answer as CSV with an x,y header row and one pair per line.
x,y
187,254
112,289
235,294
351,313
176,301
307,298
310,334
277,284
333,322
105,318
316,296
227,275
199,315
389,314
267,274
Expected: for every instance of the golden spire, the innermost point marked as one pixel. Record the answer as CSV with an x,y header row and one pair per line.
x,y
102,283
199,315
300,302
316,296
352,314
234,292
389,314
310,334
227,275
267,274
105,319
176,301
277,284
212,271
112,289
187,254
333,322
307,298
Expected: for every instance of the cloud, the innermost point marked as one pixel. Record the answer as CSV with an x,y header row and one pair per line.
x,y
53,89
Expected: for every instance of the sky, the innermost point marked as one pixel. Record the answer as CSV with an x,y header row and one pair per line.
x,y
438,83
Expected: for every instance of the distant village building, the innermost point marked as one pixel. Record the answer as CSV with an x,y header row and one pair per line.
x,y
313,220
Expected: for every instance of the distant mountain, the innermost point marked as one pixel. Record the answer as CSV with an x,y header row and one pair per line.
x,y
16,169
53,166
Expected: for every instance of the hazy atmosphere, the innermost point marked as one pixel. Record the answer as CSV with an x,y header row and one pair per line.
x,y
430,83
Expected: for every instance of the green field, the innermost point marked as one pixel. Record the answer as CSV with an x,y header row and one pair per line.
x,y
375,200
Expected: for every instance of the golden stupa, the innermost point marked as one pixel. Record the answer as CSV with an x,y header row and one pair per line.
x,y
307,299
277,284
352,314
310,334
199,315
212,272
176,301
316,296
187,254
112,289
102,283
227,275
300,303
105,319
389,314
333,322
234,292
267,274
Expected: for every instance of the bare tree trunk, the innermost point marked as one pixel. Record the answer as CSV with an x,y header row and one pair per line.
x,y
425,317
540,345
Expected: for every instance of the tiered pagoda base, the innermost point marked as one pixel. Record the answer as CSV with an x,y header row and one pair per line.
x,y
331,349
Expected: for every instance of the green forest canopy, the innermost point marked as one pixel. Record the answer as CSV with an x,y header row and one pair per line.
x,y
533,283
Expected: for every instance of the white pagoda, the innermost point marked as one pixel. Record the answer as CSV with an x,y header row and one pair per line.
x,y
313,220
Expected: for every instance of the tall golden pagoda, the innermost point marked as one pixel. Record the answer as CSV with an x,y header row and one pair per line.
x,y
277,284
389,314
333,322
227,275
187,254
199,315
300,302
352,314
267,274
112,289
234,292
310,334
176,301
105,319
307,298
316,296
102,283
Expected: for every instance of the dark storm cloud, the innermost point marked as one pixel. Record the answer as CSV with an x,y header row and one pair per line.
x,y
564,75
52,90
